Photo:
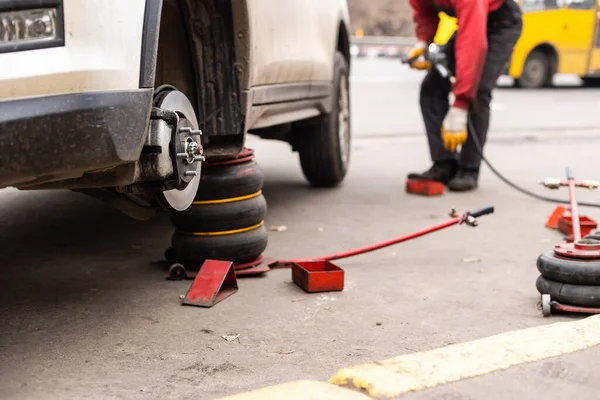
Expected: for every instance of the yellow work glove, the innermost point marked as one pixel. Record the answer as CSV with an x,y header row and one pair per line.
x,y
454,128
416,57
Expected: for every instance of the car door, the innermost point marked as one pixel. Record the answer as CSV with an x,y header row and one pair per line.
x,y
284,41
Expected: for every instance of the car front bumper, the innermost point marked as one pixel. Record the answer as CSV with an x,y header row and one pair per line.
x,y
43,139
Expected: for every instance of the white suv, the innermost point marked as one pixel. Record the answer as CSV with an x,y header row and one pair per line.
x,y
124,99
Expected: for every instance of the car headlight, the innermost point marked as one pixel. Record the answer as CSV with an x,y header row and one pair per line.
x,y
29,25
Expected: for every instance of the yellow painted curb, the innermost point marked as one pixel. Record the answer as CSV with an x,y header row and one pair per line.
x,y
300,390
413,372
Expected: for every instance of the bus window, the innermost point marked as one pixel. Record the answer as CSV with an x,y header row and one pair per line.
x,y
532,5
539,5
580,4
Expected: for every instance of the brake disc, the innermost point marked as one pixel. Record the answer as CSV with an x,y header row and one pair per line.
x,y
185,150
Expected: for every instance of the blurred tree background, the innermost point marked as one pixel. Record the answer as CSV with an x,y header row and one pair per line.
x,y
381,17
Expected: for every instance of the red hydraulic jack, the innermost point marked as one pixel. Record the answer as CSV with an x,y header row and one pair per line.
x,y
319,274
566,274
216,280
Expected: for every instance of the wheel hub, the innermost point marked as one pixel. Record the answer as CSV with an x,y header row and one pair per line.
x,y
187,153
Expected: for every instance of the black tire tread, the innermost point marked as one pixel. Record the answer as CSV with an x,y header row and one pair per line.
x,y
318,146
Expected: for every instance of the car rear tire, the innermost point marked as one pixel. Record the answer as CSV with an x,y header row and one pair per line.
x,y
324,148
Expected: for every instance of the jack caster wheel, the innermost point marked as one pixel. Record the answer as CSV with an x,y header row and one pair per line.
x,y
546,305
177,272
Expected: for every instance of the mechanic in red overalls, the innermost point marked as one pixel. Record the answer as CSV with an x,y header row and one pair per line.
x,y
477,54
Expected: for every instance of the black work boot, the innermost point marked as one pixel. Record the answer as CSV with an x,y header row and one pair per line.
x,y
466,179
440,171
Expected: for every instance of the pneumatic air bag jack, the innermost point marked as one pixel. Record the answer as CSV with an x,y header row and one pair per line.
x,y
569,278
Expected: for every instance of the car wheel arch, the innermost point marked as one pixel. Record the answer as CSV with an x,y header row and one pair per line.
x,y
173,53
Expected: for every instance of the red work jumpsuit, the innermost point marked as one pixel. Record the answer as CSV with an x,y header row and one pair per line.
x,y
477,55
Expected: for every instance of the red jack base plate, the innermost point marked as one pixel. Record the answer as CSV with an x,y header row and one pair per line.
x,y
584,249
424,187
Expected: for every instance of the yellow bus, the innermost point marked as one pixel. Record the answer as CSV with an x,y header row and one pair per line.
x,y
559,36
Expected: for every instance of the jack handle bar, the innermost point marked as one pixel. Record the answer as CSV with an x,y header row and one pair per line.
x,y
482,211
469,218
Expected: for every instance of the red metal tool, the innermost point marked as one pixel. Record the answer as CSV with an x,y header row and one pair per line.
x,y
424,187
566,226
215,282
469,218
571,226
178,271
552,221
319,274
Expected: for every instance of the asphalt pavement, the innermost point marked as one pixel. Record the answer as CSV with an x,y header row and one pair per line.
x,y
86,311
